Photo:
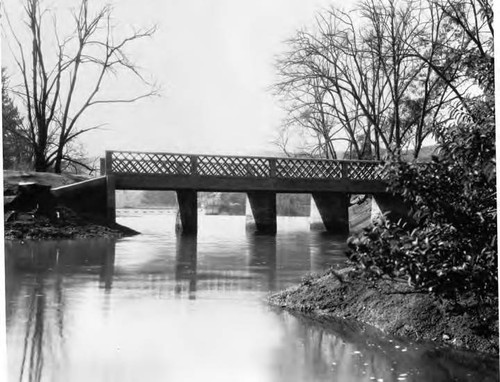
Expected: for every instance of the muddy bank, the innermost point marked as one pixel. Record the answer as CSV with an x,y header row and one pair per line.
x,y
68,226
32,211
393,308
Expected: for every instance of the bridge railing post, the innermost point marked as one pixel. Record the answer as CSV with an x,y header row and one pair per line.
x,y
108,162
194,164
345,169
272,167
102,166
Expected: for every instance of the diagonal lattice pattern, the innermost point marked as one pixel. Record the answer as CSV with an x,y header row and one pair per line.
x,y
233,166
308,169
150,163
242,167
364,171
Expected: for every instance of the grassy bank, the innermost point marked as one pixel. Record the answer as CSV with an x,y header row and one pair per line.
x,y
394,309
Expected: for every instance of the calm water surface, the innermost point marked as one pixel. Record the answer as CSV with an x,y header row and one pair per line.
x,y
157,307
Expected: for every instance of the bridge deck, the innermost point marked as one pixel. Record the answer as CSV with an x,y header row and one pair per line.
x,y
165,171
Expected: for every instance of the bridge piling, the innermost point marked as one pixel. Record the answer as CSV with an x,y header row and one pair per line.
x,y
334,210
330,181
188,208
315,220
263,205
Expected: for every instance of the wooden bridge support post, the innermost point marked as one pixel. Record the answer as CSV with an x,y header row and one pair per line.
x,y
334,210
188,208
263,204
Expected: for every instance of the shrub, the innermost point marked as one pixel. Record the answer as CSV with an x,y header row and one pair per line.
x,y
452,251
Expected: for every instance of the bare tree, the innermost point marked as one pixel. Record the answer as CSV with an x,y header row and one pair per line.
x,y
460,46
55,94
373,87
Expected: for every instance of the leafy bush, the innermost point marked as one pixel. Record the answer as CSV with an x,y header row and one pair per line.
x,y
452,251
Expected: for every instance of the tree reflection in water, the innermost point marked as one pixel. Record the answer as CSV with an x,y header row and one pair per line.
x,y
348,351
32,358
38,275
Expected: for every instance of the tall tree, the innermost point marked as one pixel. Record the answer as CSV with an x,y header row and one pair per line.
x,y
452,249
53,88
378,94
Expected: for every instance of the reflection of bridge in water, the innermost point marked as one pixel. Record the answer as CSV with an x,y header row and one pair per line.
x,y
263,264
330,182
52,268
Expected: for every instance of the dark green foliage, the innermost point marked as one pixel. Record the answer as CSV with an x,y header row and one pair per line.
x,y
453,249
15,147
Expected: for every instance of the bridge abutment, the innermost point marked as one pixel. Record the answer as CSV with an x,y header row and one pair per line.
x,y
263,205
188,209
333,207
110,198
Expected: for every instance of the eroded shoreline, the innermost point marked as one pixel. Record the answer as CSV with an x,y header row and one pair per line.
x,y
46,230
394,309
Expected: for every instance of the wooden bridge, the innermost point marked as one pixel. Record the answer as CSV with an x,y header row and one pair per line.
x,y
331,182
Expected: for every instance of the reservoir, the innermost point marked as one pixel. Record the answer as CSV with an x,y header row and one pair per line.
x,y
161,307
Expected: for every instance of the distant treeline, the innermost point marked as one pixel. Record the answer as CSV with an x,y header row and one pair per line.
x,y
216,203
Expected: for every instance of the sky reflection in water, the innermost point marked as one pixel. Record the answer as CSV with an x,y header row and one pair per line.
x,y
157,307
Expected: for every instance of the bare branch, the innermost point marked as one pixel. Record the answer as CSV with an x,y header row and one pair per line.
x,y
53,95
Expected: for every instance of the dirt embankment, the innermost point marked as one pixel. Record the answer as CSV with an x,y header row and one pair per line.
x,y
68,226
395,309
32,212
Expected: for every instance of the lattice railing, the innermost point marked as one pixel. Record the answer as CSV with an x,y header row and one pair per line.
x,y
209,165
150,163
239,167
308,169
364,170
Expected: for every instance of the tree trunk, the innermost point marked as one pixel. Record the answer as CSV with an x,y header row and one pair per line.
x,y
58,162
40,162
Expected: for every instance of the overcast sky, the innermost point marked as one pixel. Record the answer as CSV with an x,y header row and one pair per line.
x,y
214,62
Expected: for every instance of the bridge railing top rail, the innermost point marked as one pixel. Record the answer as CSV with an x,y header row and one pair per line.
x,y
135,162
242,156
